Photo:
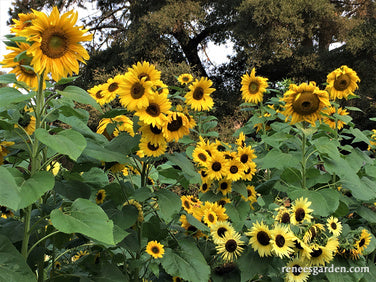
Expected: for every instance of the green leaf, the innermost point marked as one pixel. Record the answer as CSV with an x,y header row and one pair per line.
x,y
184,163
124,144
240,187
79,95
66,80
359,135
277,159
99,152
252,264
86,218
9,95
367,214
13,266
8,78
353,109
68,142
186,262
196,223
169,204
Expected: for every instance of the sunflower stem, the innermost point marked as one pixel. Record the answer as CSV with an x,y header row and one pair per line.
x,y
304,160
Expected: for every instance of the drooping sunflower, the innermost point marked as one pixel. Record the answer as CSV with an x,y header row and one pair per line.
x,y
155,112
300,211
260,239
362,243
27,121
334,226
342,82
305,103
217,166
21,65
224,186
185,78
112,87
253,87
282,241
223,201
24,20
297,273
198,98
154,150
79,255
312,232
230,246
302,248
219,229
56,47
97,92
100,196
176,127
284,215
137,205
155,249
331,120
145,71
122,124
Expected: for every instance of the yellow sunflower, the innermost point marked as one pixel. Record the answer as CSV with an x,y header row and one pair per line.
x,y
5,212
185,78
240,141
362,243
192,230
217,166
296,271
200,156
21,66
282,241
235,170
334,226
56,47
246,155
122,124
302,248
260,239
219,210
154,150
210,217
320,255
4,150
342,82
23,22
79,255
112,87
27,121
155,112
284,215
305,103
312,232
137,205
100,196
97,92
186,204
160,88
198,98
145,71
54,167
229,246
224,186
331,120
176,127
219,229
372,140
249,171
155,249
57,265
205,186
300,211
251,194
253,87
223,201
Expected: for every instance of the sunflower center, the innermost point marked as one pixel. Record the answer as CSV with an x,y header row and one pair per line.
x,y
203,173
333,225
223,186
191,228
153,147
342,82
306,104
211,217
216,166
113,86
299,214
249,193
253,87
142,75
362,242
137,90
312,230
175,124
263,238
202,157
231,246
221,148
244,158
234,169
285,218
54,43
155,250
280,240
99,196
24,121
99,95
204,187
298,245
222,203
153,109
316,253
296,269
155,130
187,205
221,231
198,93
247,171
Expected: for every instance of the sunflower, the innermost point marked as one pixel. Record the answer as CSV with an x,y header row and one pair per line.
x,y
334,226
4,150
282,241
155,249
297,273
302,248
57,265
20,65
100,196
155,112
249,171
112,87
176,127
284,215
253,87
362,243
217,166
350,253
189,227
54,167
154,150
177,279
230,246
260,239
342,82
251,194
122,122
320,255
185,78
152,133
79,255
198,98
219,229
5,212
56,47
224,186
205,186
210,217
246,155
23,22
160,88
27,122
372,140
97,93
186,204
219,210
300,211
235,170
240,141
312,232
305,102
200,156
145,71
118,168
223,201
330,120
137,205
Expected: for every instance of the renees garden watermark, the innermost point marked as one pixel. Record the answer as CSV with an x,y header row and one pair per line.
x,y
315,270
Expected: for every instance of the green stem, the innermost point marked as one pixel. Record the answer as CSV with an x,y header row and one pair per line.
x,y
304,160
42,239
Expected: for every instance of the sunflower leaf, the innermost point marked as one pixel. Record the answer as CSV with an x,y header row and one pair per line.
x,y
9,95
169,204
79,95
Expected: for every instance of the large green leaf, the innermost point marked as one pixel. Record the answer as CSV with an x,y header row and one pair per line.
x,y
68,142
186,262
20,195
252,264
169,204
13,266
86,218
79,95
9,95
277,159
99,152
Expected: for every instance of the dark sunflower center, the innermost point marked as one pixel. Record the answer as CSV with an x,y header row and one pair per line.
x,y
204,187
142,75
155,250
191,228
155,130
221,231
298,245
280,240
99,95
312,230
175,124
202,157
231,246
296,269
113,86
285,217
263,238
137,90
203,173
222,203
299,214
221,148
249,192
342,82
185,78
211,218
247,171
153,109
333,225
234,169
54,43
153,147
362,242
25,120
216,166
253,87
316,253
99,196
306,104
223,185
244,158
187,205
228,157
198,93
